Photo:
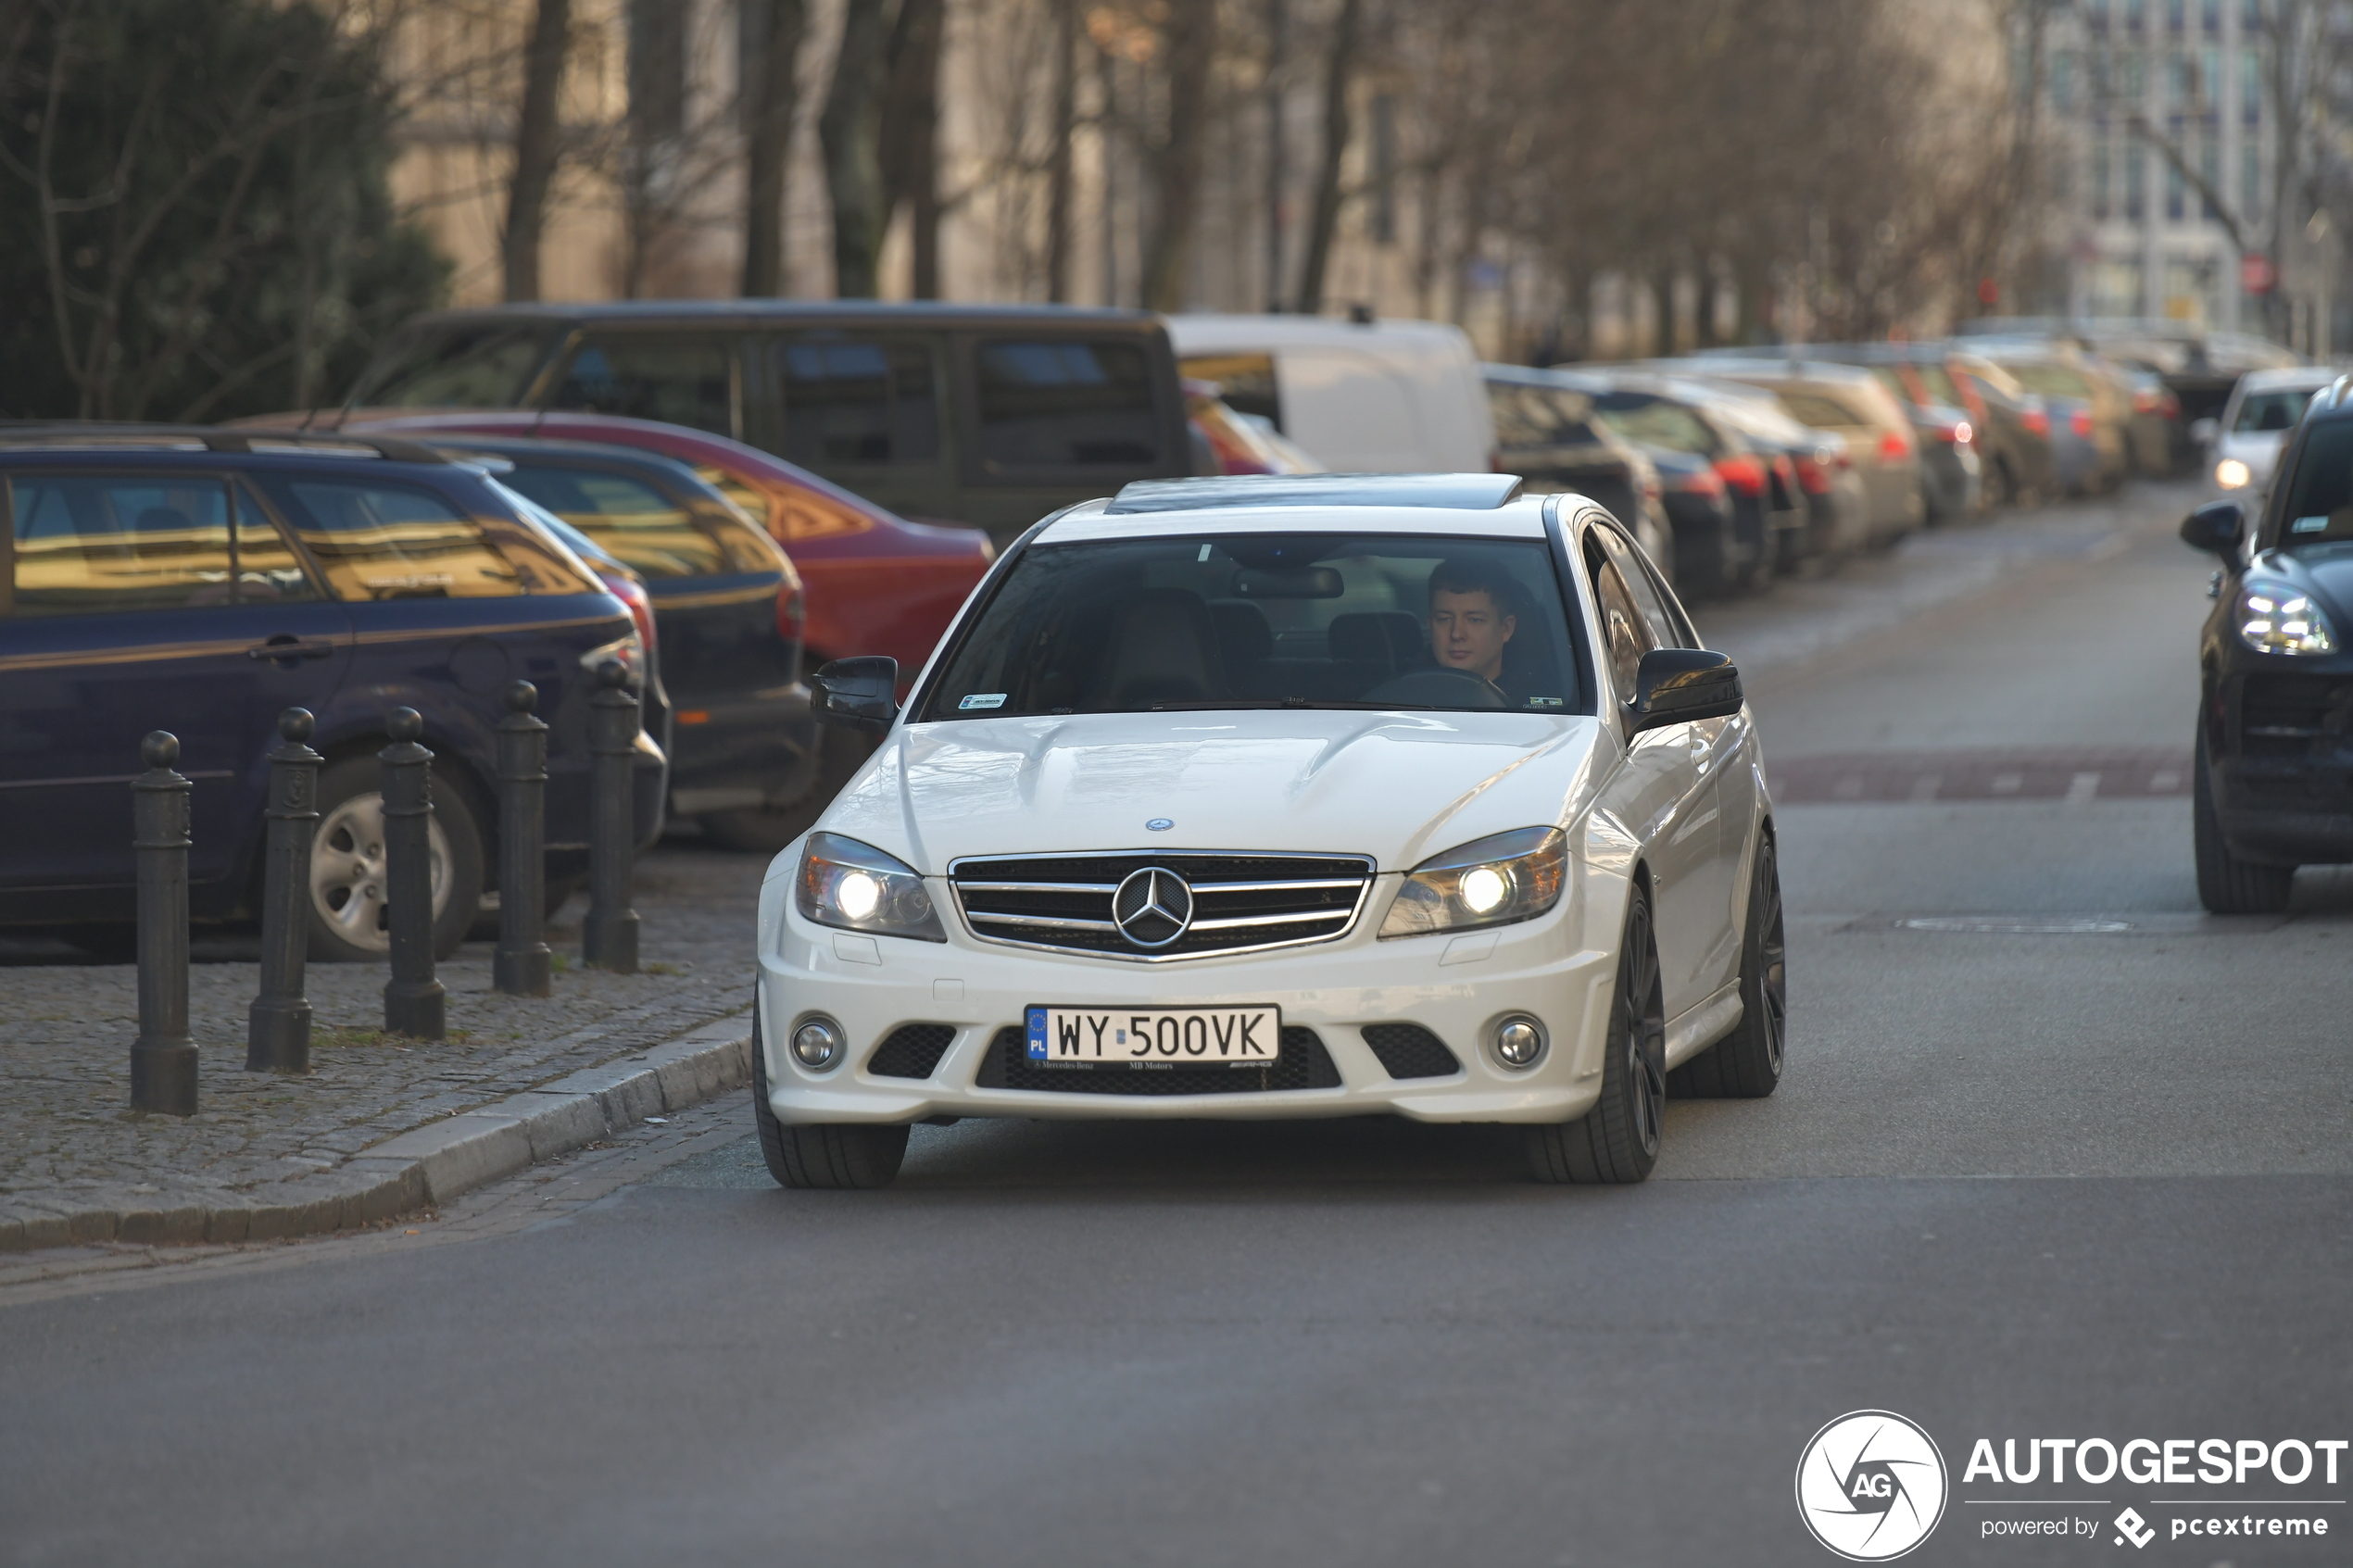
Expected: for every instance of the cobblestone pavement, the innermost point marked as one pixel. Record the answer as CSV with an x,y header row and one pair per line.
x,y
66,1137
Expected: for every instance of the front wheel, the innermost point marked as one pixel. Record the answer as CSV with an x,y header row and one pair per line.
x,y
1617,1141
818,1154
348,906
2226,884
1746,1063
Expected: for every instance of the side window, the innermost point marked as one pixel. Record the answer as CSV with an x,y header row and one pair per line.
x,y
1065,403
637,523
378,541
788,512
92,544
268,569
678,379
1627,632
1667,626
856,401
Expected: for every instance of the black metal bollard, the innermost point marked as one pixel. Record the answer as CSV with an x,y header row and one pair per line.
x,y
163,1060
609,940
278,1024
412,997
521,966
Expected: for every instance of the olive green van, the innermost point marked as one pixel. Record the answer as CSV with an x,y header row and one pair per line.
x,y
991,416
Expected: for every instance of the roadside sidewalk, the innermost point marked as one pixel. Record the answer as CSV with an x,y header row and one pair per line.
x,y
381,1126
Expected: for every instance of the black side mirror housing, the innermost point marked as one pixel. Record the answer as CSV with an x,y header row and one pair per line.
x,y
2215,528
1677,685
856,694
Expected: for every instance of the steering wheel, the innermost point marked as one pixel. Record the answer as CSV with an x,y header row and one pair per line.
x,y
1441,686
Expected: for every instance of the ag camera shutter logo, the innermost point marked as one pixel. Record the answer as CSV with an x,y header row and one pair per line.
x,y
1871,1486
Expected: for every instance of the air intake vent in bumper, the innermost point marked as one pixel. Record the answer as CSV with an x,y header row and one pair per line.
x,y
1408,1050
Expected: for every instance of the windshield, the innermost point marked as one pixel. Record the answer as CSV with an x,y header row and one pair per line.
x,y
2319,502
468,365
1268,620
1654,421
2271,410
2053,381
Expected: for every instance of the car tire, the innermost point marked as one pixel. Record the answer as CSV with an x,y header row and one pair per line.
x,y
841,1155
343,851
1746,1063
2226,884
1617,1141
765,830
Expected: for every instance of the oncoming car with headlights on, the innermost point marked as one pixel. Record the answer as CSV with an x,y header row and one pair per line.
x,y
1284,797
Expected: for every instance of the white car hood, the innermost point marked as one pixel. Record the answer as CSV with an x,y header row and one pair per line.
x,y
1397,786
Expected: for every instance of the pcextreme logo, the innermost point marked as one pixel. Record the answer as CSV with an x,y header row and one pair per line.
x,y
1871,1485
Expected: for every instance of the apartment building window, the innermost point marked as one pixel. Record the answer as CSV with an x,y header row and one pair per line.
x,y
2096,14
2099,177
2251,85
2251,184
2176,14
2176,188
2209,165
2136,178
2135,13
2210,16
2130,83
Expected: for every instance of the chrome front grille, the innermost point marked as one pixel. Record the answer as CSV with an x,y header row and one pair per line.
x,y
1238,903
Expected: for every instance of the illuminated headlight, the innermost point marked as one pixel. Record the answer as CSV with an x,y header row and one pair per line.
x,y
1511,876
858,887
2232,474
2276,619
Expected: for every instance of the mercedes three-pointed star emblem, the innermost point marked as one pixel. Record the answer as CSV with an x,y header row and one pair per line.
x,y
1153,908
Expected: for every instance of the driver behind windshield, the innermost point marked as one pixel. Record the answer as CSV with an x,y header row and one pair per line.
x,y
1470,621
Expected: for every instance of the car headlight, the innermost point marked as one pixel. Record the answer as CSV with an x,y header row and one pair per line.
x,y
1511,876
2274,618
2230,474
858,887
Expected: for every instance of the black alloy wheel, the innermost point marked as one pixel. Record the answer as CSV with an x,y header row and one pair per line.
x,y
2226,884
1617,1142
820,1155
1746,1063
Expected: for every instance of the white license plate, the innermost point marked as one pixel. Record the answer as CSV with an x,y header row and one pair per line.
x,y
1155,1038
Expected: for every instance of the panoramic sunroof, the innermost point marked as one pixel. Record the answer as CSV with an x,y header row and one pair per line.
x,y
1459,492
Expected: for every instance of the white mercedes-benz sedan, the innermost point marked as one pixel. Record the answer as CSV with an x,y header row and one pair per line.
x,y
1287,797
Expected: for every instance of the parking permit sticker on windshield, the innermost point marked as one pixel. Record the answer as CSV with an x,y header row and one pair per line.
x,y
2309,525
1543,702
982,700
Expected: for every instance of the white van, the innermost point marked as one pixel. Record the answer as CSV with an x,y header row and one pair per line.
x,y
1360,398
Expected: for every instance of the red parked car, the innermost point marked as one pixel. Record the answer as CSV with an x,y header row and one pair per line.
x,y
875,583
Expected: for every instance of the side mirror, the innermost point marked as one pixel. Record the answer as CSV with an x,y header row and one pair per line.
x,y
2215,528
856,694
2204,430
1677,685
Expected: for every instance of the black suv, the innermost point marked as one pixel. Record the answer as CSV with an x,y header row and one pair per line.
x,y
2275,766
981,414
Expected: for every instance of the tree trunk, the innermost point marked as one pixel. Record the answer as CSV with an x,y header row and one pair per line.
x,y
1191,35
771,37
1323,224
851,131
1663,301
536,147
1058,160
910,134
1277,153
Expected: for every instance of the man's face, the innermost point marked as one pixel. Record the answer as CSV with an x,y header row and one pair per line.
x,y
1469,631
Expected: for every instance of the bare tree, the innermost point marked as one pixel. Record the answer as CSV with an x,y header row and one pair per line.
x,y
1060,190
1191,33
1339,73
851,131
770,56
910,133
537,146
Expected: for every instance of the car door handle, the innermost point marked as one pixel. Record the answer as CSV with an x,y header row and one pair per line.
x,y
290,647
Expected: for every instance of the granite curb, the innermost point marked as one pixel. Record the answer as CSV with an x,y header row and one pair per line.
x,y
425,1166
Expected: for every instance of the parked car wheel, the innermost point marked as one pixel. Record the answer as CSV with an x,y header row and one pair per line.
x,y
1746,1063
1618,1140
817,1155
2226,884
347,903
766,830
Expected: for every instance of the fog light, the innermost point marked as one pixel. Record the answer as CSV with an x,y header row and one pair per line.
x,y
1519,1040
817,1042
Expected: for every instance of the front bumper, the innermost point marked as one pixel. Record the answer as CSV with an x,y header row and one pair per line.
x,y
1458,987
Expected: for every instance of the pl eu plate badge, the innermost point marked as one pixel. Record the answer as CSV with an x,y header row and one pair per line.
x,y
1037,1034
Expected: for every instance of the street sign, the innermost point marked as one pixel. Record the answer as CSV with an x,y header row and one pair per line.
x,y
2255,273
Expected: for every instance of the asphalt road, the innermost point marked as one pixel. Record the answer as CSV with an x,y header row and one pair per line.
x,y
2065,1158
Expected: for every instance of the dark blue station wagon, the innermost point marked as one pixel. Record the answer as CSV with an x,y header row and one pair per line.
x,y
200,582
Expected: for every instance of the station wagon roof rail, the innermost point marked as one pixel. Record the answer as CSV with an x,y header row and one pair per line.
x,y
193,438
